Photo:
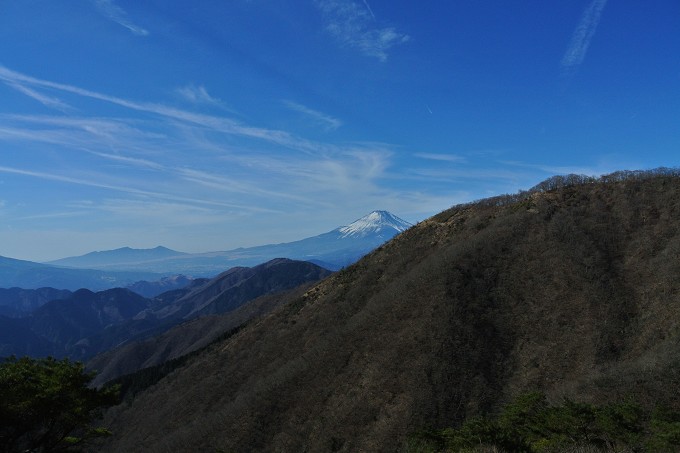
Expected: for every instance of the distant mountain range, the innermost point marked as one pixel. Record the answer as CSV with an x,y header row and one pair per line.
x,y
207,312
155,288
18,302
332,250
31,275
84,323
150,272
118,257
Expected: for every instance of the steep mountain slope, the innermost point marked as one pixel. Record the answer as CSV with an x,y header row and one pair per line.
x,y
230,289
332,250
571,291
184,338
230,293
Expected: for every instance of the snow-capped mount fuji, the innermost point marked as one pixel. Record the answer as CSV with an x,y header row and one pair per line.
x,y
381,224
333,250
123,267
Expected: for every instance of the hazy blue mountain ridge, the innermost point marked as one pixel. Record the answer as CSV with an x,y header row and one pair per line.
x,y
31,275
117,257
333,250
18,302
158,287
86,323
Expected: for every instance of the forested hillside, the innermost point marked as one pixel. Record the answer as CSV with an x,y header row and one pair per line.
x,y
86,323
569,289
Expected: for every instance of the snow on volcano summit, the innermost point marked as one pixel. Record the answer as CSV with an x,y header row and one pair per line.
x,y
376,223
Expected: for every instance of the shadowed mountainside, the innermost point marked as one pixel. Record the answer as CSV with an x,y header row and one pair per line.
x,y
18,302
228,290
158,287
183,339
572,291
68,324
87,323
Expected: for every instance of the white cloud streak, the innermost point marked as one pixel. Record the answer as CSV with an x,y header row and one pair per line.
x,y
104,138
353,26
580,39
127,190
256,174
52,215
152,212
251,174
115,13
368,7
70,180
180,162
197,95
221,124
47,101
441,157
326,121
127,160
221,183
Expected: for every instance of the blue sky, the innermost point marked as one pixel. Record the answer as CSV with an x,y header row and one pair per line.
x,y
211,125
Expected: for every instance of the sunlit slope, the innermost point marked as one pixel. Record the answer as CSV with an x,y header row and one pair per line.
x,y
572,291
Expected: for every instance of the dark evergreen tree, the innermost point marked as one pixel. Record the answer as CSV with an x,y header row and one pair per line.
x,y
46,405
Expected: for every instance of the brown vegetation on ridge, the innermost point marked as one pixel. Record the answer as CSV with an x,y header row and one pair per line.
x,y
571,290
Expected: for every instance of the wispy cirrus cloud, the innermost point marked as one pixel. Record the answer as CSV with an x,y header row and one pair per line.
x,y
70,180
353,25
441,157
326,121
197,95
217,123
102,127
370,10
224,184
53,215
101,137
580,39
551,169
47,101
176,145
74,136
127,160
145,164
115,13
145,194
167,213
